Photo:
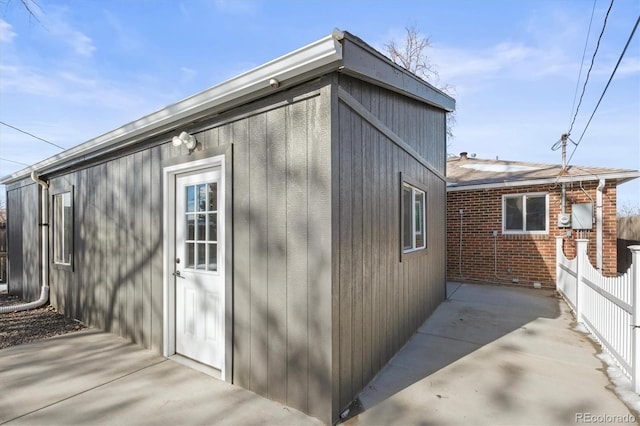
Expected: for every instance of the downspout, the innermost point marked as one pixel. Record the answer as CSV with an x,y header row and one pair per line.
x,y
44,293
599,190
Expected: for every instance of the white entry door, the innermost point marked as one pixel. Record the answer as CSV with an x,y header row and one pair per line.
x,y
199,267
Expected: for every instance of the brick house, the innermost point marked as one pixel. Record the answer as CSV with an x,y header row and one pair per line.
x,y
503,217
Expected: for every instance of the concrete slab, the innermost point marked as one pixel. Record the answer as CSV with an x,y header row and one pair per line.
x,y
488,355
493,355
94,378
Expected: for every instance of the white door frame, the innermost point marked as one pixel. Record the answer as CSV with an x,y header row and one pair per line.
x,y
169,232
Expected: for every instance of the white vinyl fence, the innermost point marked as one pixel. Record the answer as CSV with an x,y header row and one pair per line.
x,y
608,306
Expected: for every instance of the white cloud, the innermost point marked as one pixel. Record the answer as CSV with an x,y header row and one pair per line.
x,y
82,44
513,60
6,32
59,26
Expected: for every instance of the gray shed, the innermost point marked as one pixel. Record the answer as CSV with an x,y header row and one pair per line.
x,y
284,229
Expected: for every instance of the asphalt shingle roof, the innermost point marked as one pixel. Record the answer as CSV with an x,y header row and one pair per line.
x,y
463,171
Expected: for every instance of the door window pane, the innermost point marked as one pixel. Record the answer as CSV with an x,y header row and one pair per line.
x,y
213,257
213,227
191,256
191,227
201,228
201,253
201,219
191,200
202,198
213,196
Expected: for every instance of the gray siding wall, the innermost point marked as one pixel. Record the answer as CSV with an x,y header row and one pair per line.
x,y
116,280
380,301
281,250
23,239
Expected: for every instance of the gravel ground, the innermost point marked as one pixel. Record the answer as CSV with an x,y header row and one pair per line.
x,y
26,326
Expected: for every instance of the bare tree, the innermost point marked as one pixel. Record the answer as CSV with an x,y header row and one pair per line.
x,y
32,8
411,54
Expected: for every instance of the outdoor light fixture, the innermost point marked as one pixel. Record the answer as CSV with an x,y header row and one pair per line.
x,y
185,139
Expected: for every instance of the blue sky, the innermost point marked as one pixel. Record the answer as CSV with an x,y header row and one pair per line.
x,y
90,66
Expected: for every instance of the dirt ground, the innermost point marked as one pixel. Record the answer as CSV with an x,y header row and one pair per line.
x,y
17,328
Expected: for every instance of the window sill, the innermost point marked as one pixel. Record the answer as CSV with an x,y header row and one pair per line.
x,y
407,255
62,266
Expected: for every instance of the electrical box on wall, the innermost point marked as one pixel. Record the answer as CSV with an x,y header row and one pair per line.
x,y
564,220
582,216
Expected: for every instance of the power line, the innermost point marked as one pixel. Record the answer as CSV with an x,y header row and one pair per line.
x,y
12,161
635,27
33,136
584,52
593,58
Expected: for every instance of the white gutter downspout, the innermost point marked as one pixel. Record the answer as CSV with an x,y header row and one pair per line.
x,y
44,261
599,190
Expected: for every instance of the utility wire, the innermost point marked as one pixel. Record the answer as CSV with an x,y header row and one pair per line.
x,y
584,52
593,58
12,161
635,27
33,136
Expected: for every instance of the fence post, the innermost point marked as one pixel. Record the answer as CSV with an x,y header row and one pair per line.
x,y
559,254
581,257
635,339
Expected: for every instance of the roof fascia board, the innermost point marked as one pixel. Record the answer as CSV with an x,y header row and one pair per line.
x,y
366,63
305,63
622,177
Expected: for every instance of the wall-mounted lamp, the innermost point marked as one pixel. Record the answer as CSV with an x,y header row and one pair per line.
x,y
187,140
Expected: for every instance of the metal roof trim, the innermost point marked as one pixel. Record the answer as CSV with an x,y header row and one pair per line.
x,y
621,176
311,60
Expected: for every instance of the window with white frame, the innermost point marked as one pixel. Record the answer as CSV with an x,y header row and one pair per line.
x,y
414,223
63,228
525,214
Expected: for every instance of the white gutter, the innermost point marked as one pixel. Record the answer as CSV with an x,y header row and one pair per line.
x,y
44,260
314,59
599,190
451,187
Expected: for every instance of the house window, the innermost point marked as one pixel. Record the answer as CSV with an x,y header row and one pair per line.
x,y
414,230
525,214
62,228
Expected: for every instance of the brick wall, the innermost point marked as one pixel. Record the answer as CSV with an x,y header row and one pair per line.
x,y
527,258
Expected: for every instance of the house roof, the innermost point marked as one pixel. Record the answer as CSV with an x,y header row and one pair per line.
x,y
339,51
474,173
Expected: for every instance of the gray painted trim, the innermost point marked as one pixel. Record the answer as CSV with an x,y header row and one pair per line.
x,y
620,177
350,101
366,63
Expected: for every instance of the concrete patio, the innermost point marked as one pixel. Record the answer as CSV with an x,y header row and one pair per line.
x,y
493,355
489,355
